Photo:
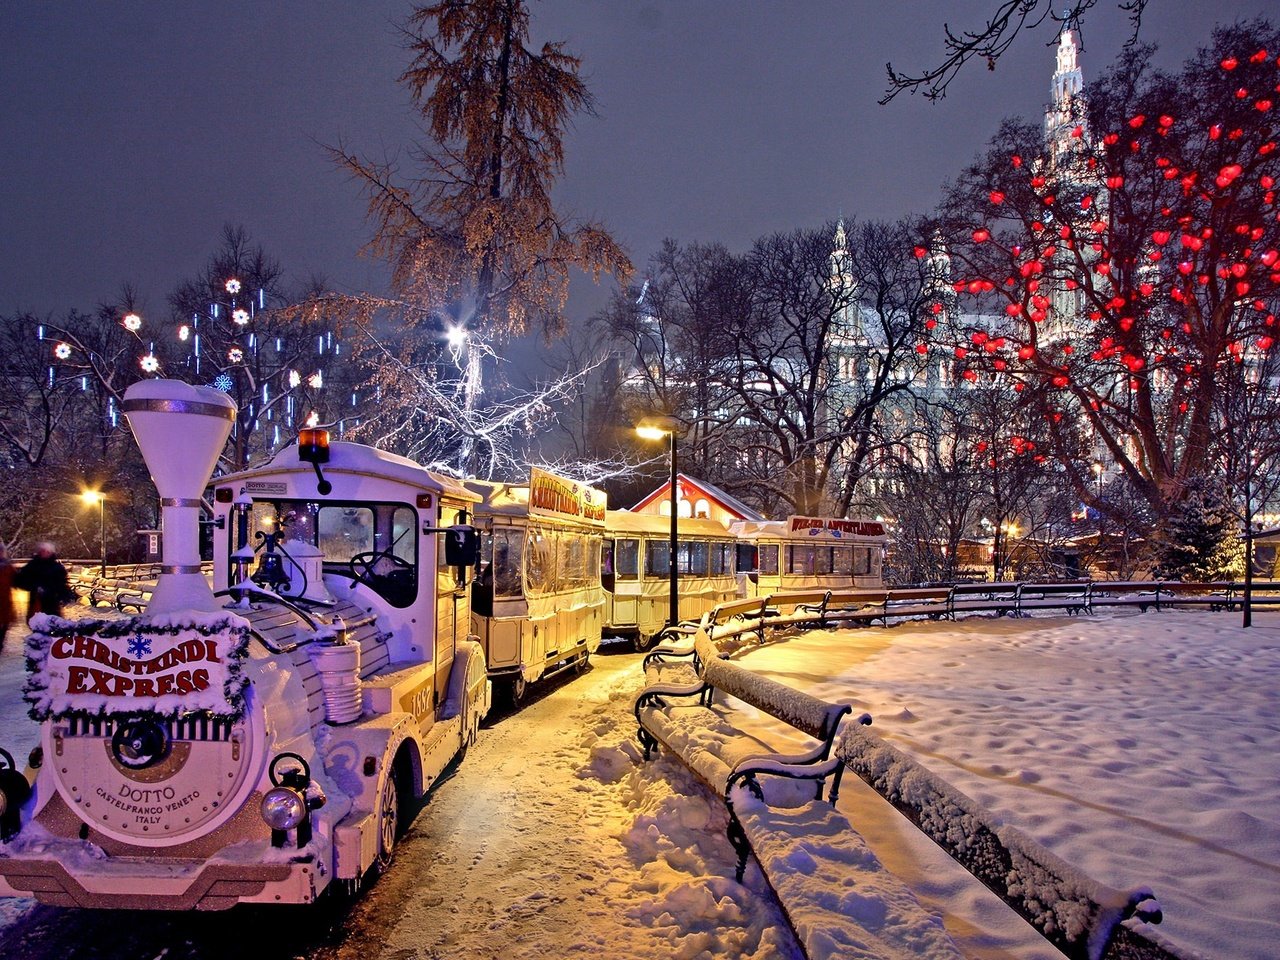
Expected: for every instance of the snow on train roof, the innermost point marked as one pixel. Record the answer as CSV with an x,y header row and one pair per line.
x,y
345,457
624,521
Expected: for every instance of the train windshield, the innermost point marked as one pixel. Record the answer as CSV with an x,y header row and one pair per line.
x,y
372,543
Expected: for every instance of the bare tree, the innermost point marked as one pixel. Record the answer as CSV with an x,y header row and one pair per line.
x,y
989,43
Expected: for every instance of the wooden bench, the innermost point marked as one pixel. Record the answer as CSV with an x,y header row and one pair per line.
x,y
1074,597
998,597
134,598
680,718
1078,915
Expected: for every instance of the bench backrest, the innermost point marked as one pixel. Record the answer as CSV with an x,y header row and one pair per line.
x,y
806,713
751,607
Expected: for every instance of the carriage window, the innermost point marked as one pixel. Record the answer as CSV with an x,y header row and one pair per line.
x,y
721,559
822,560
693,558
862,561
769,559
746,558
626,559
842,560
540,561
508,545
573,561
800,559
345,532
657,558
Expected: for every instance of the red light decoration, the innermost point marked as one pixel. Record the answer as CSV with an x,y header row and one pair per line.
x,y
920,252
1137,121
970,375
981,235
1115,182
1086,201
1078,132
922,348
1227,175
1262,105
1215,131
1259,57
1037,181
930,323
1026,353
1230,63
1016,160
996,197
1166,121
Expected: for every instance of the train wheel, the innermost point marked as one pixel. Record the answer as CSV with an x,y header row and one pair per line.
x,y
388,818
583,662
516,689
643,643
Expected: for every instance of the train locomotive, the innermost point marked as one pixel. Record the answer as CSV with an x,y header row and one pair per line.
x,y
263,738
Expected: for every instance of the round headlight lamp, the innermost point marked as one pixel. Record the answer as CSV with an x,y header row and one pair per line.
x,y
283,808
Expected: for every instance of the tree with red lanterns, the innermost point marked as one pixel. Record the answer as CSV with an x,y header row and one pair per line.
x,y
1125,275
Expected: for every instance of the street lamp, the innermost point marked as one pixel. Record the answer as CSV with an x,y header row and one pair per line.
x,y
655,428
90,497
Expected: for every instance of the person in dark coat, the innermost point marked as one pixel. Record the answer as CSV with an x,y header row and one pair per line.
x,y
6,593
45,579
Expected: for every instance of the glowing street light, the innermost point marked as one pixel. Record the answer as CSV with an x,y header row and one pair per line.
x,y
90,497
656,428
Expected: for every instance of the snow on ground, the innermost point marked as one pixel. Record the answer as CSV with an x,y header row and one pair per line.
x,y
1142,748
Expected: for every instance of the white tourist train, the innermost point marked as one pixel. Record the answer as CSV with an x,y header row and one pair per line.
x,y
260,740
537,606
637,572
807,553
263,737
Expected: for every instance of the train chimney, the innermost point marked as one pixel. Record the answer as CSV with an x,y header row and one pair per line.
x,y
181,430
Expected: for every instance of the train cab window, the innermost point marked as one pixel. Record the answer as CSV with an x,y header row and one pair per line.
x,y
626,559
768,559
657,558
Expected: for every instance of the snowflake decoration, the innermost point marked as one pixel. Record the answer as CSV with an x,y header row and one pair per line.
x,y
240,316
235,354
223,382
132,322
233,286
316,380
62,351
313,420
139,646
184,333
295,378
149,363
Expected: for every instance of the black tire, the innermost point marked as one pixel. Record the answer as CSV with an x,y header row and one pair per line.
x,y
389,826
583,662
643,643
517,687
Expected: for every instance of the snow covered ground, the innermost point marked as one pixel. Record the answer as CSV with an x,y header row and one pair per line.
x,y
1144,748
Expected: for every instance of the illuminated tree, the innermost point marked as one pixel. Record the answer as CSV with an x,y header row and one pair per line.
x,y
1125,272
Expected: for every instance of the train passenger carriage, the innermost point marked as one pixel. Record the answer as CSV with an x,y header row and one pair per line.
x,y
637,571
537,606
261,740
806,553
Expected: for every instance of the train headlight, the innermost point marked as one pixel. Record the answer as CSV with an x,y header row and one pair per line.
x,y
283,808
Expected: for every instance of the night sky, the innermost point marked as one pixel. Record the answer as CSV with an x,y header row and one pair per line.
x,y
131,132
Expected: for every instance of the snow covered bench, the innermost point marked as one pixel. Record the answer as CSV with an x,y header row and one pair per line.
x,y
680,718
1079,915
840,901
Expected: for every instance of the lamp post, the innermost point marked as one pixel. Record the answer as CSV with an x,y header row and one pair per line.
x,y
90,497
655,428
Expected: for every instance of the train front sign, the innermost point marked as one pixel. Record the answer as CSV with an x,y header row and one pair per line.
x,y
262,739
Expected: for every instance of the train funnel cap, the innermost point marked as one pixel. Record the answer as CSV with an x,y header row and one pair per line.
x,y
181,430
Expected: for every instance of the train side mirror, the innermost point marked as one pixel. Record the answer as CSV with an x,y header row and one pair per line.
x,y
462,546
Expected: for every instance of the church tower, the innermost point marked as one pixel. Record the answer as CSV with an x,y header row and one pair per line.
x,y
1066,100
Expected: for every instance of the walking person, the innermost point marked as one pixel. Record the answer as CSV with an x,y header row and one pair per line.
x,y
6,593
45,579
